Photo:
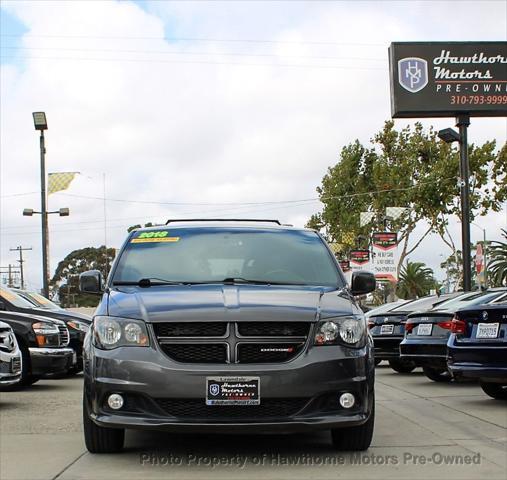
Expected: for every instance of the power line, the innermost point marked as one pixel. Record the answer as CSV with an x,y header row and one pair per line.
x,y
190,62
182,52
197,39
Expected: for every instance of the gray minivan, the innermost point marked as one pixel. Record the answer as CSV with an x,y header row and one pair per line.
x,y
227,326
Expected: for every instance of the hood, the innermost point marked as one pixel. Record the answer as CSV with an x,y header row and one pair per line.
x,y
229,303
63,315
29,317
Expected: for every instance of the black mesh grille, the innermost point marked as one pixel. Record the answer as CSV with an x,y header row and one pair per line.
x,y
190,329
273,329
197,409
196,353
267,352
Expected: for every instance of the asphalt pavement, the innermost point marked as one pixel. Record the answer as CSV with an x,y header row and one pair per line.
x,y
423,430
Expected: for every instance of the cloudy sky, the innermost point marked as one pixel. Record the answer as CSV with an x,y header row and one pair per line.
x,y
202,108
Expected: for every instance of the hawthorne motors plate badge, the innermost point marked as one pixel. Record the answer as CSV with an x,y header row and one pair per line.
x,y
386,329
424,329
487,330
413,73
233,391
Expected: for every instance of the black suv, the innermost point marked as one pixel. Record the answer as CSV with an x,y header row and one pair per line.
x,y
14,300
227,326
43,343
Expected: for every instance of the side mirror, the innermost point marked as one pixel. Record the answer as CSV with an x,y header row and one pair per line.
x,y
91,282
362,283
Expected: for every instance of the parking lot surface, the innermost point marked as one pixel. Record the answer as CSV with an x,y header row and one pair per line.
x,y
423,430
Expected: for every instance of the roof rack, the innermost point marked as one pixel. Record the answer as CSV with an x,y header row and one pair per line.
x,y
223,220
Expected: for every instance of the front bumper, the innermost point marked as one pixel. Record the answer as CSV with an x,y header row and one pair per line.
x,y
50,360
10,367
150,381
488,363
387,348
430,352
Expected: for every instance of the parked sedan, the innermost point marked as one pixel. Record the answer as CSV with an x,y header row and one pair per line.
x,y
388,329
426,333
477,347
77,323
10,356
43,344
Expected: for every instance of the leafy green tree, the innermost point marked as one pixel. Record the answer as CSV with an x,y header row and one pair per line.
x,y
66,277
134,227
409,168
497,264
415,280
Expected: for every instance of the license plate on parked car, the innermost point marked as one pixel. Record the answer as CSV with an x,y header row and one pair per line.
x,y
233,391
424,329
386,329
487,330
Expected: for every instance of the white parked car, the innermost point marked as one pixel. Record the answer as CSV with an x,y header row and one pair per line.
x,y
10,356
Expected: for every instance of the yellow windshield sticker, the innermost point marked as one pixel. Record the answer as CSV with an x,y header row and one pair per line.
x,y
153,240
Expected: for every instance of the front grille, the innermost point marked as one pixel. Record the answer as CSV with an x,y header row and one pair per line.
x,y
232,342
63,335
267,352
197,409
196,352
190,329
273,329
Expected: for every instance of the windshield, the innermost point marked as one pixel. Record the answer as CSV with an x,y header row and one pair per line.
x,y
469,300
39,300
15,299
425,303
212,254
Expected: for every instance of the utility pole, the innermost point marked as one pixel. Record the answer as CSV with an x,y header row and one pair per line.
x,y
20,249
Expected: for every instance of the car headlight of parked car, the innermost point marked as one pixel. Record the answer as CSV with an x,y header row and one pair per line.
x,y
350,331
47,334
114,332
78,325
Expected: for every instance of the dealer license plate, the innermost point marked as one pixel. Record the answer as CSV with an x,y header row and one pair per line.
x,y
424,329
487,330
386,329
233,391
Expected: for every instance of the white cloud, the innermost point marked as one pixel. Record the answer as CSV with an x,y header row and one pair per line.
x,y
173,128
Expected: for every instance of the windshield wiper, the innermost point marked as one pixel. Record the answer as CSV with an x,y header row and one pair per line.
x,y
148,282
255,282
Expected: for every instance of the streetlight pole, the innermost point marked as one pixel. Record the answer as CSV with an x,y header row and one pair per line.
x,y
462,122
44,217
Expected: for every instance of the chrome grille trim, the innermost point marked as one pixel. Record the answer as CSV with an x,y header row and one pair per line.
x,y
64,336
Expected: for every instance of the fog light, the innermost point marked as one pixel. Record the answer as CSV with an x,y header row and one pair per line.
x,y
115,401
347,400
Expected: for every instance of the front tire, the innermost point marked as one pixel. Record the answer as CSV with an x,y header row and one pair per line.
x,y
495,390
440,375
354,438
101,439
402,366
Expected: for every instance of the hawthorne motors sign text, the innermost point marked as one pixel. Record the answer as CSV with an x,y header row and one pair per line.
x,y
438,79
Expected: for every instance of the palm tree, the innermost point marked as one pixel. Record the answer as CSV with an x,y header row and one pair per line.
x,y
497,265
416,280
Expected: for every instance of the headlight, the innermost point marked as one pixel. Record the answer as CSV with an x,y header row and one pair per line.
x,y
46,334
113,332
347,330
78,325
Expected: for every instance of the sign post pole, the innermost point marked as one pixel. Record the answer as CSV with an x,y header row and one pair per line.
x,y
462,122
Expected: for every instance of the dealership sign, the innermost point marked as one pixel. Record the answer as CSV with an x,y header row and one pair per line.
x,y
442,79
385,255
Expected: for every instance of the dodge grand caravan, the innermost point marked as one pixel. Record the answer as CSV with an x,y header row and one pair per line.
x,y
227,327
